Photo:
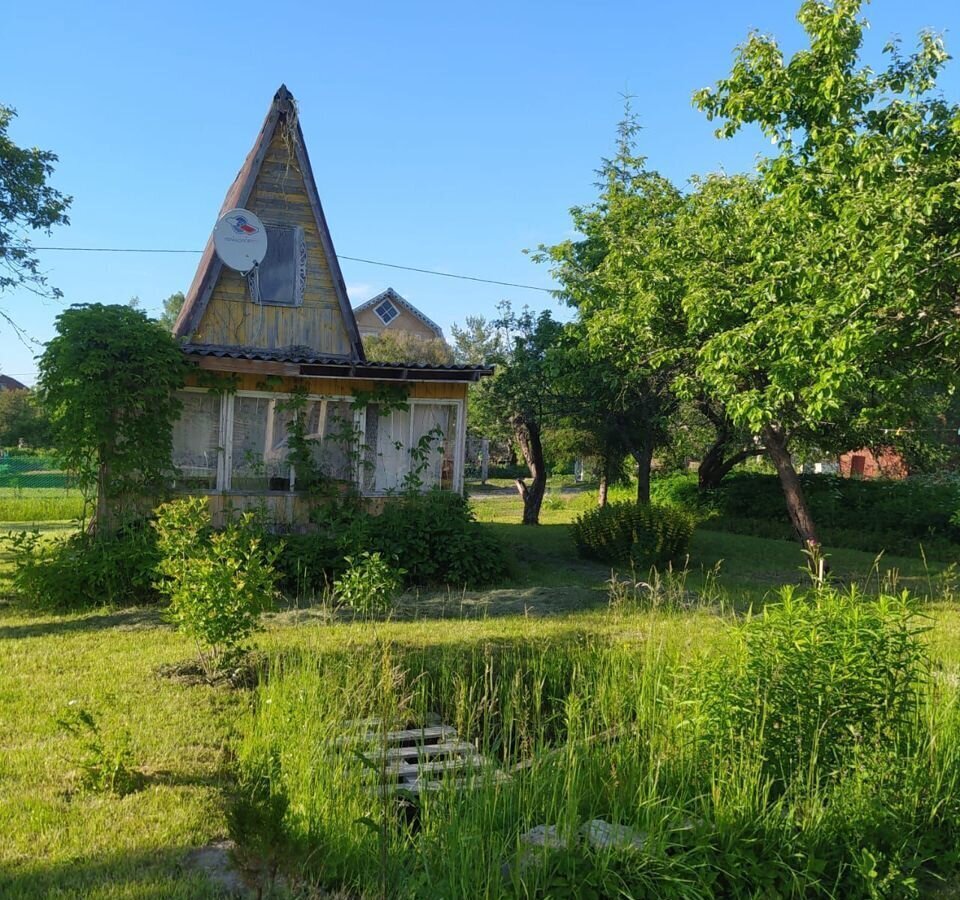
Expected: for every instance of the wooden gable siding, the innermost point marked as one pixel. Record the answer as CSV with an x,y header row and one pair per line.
x,y
369,323
341,387
279,197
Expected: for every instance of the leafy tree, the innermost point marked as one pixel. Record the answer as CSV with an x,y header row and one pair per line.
x,y
22,419
404,346
107,381
479,342
171,309
824,295
521,394
27,203
622,279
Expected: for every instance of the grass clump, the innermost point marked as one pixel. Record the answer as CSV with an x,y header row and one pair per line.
x,y
634,534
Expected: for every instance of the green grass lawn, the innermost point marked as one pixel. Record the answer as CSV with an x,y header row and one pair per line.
x,y
57,839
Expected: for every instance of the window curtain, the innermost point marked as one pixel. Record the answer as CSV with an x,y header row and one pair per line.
x,y
434,440
196,441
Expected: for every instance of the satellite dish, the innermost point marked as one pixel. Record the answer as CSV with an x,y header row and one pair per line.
x,y
240,240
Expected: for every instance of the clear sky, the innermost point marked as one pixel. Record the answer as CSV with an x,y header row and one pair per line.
x,y
442,135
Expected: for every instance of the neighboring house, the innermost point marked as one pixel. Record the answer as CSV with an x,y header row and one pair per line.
x,y
11,384
389,311
251,357
866,463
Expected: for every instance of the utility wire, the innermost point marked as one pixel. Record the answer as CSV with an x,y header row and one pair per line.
x,y
369,262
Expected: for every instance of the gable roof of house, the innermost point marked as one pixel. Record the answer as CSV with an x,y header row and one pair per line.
x,y
282,111
393,296
11,384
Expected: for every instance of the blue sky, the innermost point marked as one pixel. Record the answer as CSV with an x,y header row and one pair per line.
x,y
445,136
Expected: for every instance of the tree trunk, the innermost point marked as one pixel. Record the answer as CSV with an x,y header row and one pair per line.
x,y
644,458
527,434
800,518
602,491
101,517
714,468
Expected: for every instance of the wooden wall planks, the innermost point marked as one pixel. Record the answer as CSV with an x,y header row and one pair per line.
x,y
279,197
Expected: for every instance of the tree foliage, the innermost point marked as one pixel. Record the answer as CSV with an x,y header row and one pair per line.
x,y
405,347
479,342
171,309
522,394
27,203
107,381
621,356
823,292
22,419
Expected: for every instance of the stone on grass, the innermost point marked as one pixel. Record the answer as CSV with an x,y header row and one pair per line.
x,y
601,835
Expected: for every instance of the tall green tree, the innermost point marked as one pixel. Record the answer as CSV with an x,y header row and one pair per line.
x,y
107,381
622,279
27,203
522,394
824,295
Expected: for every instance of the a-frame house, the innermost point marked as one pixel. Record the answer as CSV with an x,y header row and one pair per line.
x,y
292,336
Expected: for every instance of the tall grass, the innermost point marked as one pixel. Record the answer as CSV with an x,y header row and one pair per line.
x,y
813,756
34,505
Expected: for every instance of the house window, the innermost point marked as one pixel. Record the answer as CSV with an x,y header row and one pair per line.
x,y
258,449
281,278
386,311
240,442
197,447
413,447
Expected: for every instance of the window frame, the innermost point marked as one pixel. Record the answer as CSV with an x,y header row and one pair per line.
x,y
299,269
393,307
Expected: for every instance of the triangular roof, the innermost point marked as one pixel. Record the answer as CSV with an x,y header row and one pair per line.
x,y
282,112
392,295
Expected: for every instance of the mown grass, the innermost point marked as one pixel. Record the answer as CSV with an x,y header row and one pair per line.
x,y
59,840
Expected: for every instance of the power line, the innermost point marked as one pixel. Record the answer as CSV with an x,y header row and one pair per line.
x,y
369,262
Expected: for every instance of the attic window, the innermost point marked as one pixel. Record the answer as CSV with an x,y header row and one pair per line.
x,y
387,312
283,273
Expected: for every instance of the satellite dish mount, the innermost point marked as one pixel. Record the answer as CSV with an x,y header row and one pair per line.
x,y
240,240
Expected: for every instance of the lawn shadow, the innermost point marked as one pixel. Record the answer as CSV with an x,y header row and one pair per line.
x,y
162,873
121,620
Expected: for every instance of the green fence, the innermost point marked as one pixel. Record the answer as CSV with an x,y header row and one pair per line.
x,y
34,488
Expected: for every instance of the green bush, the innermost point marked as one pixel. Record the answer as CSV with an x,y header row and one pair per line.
x,y
437,541
218,582
85,570
370,584
433,536
635,534
818,680
896,516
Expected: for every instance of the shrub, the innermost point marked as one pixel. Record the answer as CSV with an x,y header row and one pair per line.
x,y
218,582
635,534
819,677
437,541
116,569
370,584
896,516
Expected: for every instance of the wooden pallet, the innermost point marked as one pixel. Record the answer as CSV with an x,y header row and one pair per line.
x,y
417,760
